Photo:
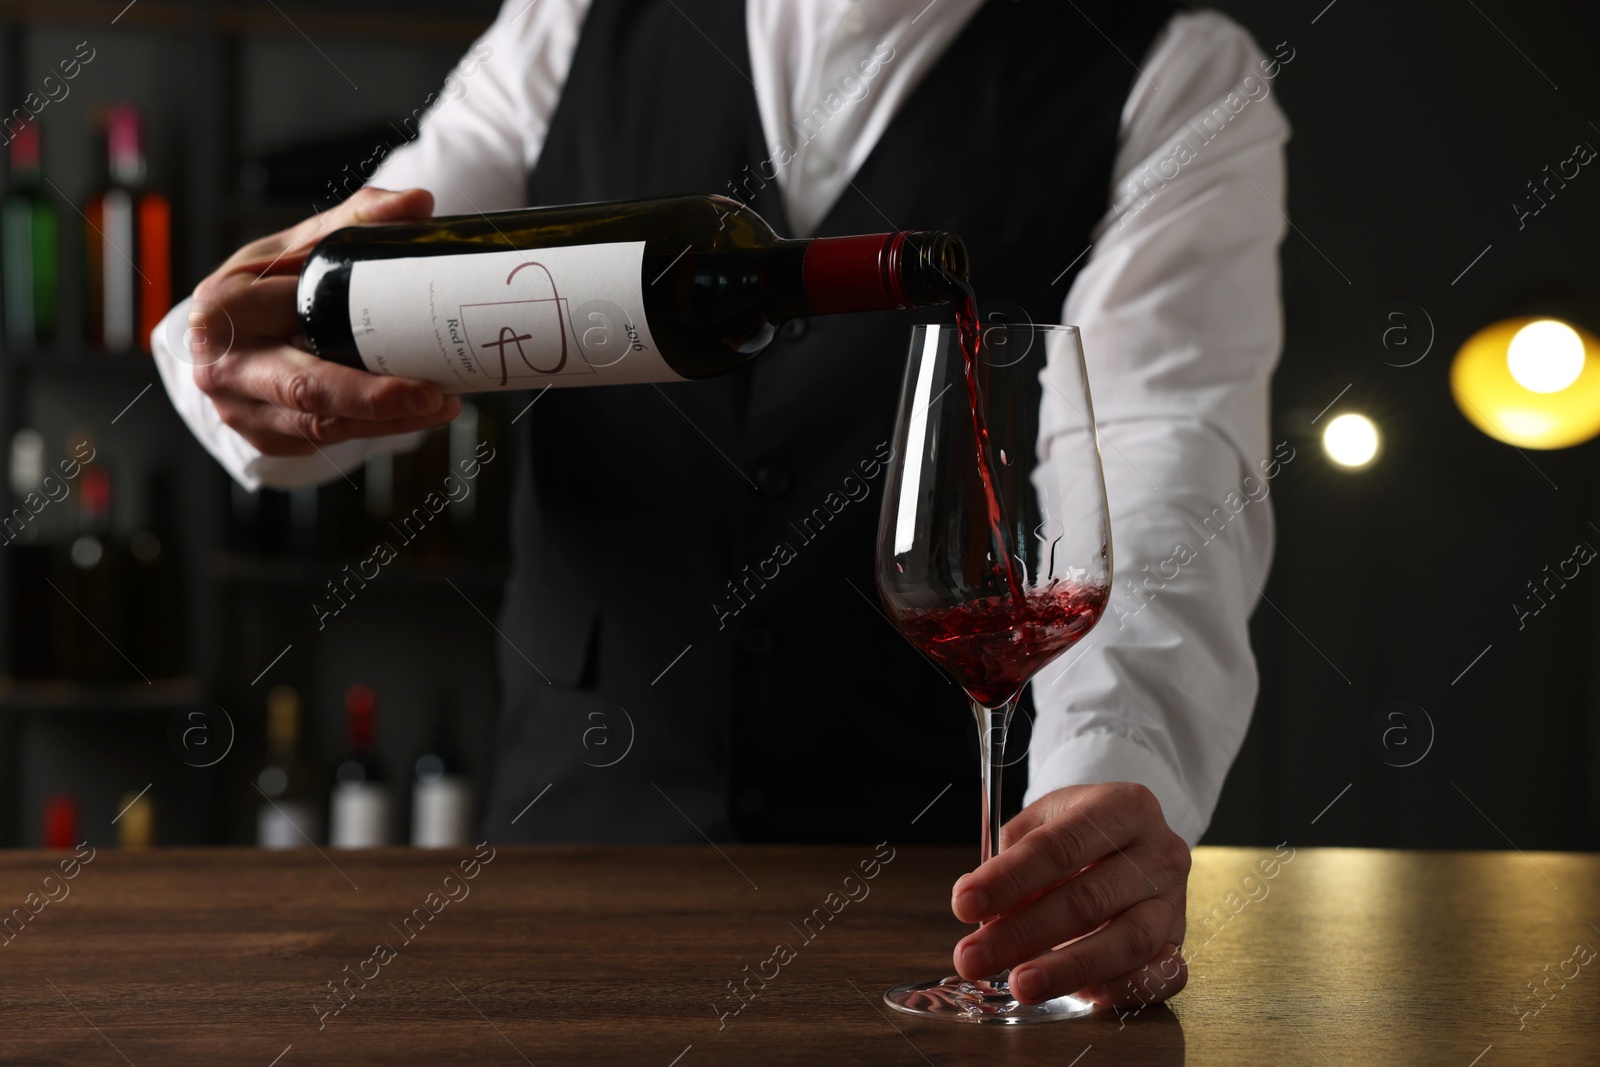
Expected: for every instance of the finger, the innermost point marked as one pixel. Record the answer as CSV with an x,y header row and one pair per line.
x,y
298,381
1083,904
239,305
1161,978
1125,943
371,204
277,444
241,416
1025,822
282,252
1104,820
331,429
276,431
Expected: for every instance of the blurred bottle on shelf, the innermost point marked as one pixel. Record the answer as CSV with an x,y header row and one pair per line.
x,y
303,514
341,518
129,238
444,501
359,814
28,248
60,823
136,826
303,172
26,468
92,576
27,554
419,529
463,437
257,521
157,634
441,793
288,816
377,491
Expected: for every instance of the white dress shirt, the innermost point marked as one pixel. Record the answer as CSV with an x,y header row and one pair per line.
x,y
1177,302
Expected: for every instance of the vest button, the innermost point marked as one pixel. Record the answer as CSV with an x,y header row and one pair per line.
x,y
774,479
757,641
794,329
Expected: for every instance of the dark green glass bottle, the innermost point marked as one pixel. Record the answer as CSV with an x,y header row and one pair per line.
x,y
631,291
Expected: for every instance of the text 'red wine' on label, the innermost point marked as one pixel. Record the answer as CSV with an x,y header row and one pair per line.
x,y
518,319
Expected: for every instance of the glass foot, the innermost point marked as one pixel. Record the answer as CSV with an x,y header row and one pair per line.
x,y
980,1002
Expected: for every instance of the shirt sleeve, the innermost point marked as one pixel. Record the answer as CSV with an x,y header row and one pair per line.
x,y
477,140
1179,313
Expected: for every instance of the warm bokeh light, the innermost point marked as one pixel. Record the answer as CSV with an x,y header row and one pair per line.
x,y
1545,356
1530,382
1351,441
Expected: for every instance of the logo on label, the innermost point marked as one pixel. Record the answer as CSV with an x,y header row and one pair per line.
x,y
524,338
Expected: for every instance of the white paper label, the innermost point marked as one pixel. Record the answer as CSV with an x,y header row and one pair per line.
x,y
287,824
442,813
360,815
485,321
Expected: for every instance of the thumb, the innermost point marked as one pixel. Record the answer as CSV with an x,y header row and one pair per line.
x,y
369,204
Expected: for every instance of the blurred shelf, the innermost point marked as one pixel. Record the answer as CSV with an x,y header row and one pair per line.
x,y
137,364
390,20
243,568
161,694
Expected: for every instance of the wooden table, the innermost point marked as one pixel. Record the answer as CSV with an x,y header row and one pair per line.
x,y
617,956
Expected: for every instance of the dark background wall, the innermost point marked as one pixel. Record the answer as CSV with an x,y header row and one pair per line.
x,y
1416,124
1415,127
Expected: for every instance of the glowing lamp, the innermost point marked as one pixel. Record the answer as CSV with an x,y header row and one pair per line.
x,y
1530,382
1351,441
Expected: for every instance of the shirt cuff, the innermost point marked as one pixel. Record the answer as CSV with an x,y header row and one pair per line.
x,y
1101,756
245,463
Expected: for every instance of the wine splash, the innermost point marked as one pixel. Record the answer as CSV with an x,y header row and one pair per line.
x,y
991,648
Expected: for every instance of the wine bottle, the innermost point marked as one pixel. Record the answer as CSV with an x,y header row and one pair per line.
x,y
27,553
60,826
26,472
129,237
28,248
631,291
441,795
463,450
136,825
288,816
377,488
359,815
156,619
93,576
305,531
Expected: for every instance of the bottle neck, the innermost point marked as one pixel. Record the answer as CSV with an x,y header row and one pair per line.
x,y
94,499
125,148
882,271
25,156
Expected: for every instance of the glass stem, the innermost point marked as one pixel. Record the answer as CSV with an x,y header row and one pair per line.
x,y
992,726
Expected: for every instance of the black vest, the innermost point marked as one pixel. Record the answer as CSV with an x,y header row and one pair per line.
x,y
657,711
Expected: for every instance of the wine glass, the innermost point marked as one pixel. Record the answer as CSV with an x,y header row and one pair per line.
x,y
994,552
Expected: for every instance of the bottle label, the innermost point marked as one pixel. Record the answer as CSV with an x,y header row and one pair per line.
x,y
360,815
287,824
482,321
442,813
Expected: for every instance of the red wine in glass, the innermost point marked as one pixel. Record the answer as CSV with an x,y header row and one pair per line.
x,y
993,569
991,647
